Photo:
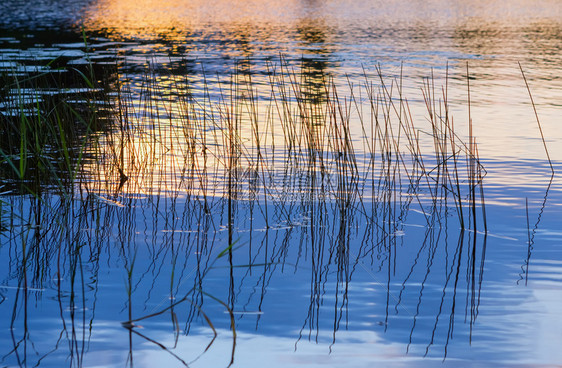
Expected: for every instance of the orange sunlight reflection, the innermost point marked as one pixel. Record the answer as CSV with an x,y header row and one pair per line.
x,y
171,19
423,36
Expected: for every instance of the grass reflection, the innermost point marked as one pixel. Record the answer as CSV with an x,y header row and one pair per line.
x,y
179,272
202,200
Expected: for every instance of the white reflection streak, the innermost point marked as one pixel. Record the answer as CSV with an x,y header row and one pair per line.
x,y
370,273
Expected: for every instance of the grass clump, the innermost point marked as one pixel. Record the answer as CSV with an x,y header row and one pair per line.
x,y
46,117
288,137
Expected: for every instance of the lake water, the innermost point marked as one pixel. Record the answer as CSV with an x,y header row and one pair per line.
x,y
265,218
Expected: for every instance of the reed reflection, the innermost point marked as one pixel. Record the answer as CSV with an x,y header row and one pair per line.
x,y
220,208
335,252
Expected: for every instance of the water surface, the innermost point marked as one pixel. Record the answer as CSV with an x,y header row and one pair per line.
x,y
307,274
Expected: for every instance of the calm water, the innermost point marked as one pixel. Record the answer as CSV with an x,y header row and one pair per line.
x,y
319,273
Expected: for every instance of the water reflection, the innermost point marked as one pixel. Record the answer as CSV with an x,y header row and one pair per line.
x,y
354,268
274,207
210,222
153,19
492,38
316,59
46,114
178,270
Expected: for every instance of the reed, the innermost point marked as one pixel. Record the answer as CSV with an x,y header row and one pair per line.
x,y
265,137
333,169
47,118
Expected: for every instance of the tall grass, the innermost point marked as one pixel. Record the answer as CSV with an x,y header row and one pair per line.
x,y
346,165
288,137
46,118
276,141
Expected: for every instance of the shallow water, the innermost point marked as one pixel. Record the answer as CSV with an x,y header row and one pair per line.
x,y
388,278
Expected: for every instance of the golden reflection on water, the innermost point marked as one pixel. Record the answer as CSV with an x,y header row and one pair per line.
x,y
172,19
147,18
338,38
